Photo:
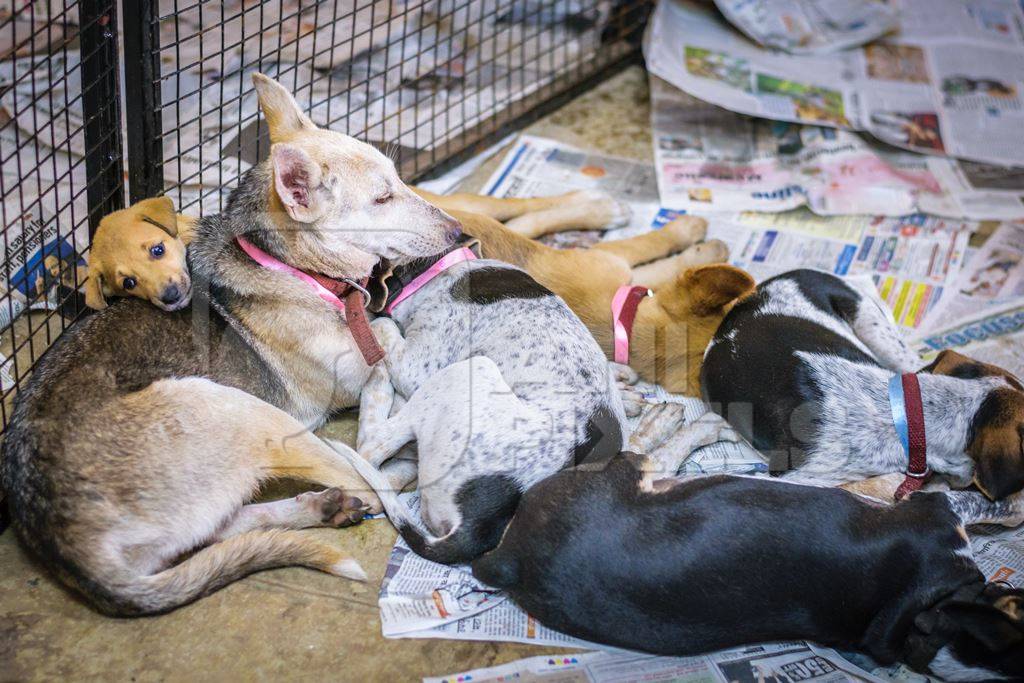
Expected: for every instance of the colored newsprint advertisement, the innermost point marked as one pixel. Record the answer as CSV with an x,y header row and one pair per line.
x,y
949,84
711,159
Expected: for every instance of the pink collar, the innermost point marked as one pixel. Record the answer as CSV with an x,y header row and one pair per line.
x,y
270,263
330,290
624,304
441,265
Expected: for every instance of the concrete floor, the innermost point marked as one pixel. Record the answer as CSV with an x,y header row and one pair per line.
x,y
289,623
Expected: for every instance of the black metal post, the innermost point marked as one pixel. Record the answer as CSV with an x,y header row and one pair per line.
x,y
101,103
142,98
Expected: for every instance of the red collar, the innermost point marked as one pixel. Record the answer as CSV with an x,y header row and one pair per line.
x,y
348,296
908,417
624,304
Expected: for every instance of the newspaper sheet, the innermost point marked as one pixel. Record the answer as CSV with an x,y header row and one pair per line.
x,y
949,84
993,277
911,259
811,26
711,159
777,662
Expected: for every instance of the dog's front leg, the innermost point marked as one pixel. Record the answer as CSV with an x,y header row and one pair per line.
x,y
375,404
709,428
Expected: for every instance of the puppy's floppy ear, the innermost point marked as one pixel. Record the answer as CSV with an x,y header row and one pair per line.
x,y
296,178
711,287
955,364
284,117
94,290
996,444
159,211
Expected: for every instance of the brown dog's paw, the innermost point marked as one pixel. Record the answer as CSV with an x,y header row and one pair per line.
x,y
686,230
603,212
334,507
712,251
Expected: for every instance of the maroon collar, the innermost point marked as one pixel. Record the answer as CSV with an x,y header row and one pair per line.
x,y
908,417
348,296
356,298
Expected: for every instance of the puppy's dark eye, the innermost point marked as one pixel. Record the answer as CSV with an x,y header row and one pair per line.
x,y
383,199
157,250
129,283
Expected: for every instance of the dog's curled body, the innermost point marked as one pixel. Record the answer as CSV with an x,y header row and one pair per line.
x,y
142,434
505,385
706,563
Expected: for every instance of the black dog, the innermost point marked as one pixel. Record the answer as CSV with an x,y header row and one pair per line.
x,y
681,567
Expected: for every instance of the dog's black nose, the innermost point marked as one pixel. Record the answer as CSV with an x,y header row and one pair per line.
x,y
171,294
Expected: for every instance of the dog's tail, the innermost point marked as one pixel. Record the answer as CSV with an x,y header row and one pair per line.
x,y
486,503
215,566
497,568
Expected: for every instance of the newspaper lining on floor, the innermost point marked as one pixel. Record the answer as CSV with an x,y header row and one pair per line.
x,y
782,662
811,26
711,159
912,259
949,84
994,277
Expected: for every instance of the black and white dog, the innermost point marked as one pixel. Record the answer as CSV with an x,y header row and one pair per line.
x,y
802,369
505,386
688,566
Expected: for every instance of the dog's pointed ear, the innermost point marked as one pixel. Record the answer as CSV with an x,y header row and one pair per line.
x,y
296,179
94,290
711,287
159,211
284,117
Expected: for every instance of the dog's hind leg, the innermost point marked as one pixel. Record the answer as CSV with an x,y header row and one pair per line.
x,y
328,508
676,236
536,216
666,271
974,508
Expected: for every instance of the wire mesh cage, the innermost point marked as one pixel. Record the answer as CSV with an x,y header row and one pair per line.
x,y
427,81
60,167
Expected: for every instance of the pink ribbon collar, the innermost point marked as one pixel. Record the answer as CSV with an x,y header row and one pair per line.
x,y
442,264
624,304
330,290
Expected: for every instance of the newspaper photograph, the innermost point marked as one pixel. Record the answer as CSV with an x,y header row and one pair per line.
x,y
710,159
811,26
949,84
775,663
994,276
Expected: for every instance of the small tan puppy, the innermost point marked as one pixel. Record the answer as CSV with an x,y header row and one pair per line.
x,y
140,251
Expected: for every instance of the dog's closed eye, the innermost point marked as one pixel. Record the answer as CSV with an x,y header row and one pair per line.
x,y
384,198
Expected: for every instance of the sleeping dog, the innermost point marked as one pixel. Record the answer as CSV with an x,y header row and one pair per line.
x,y
505,386
682,567
803,369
